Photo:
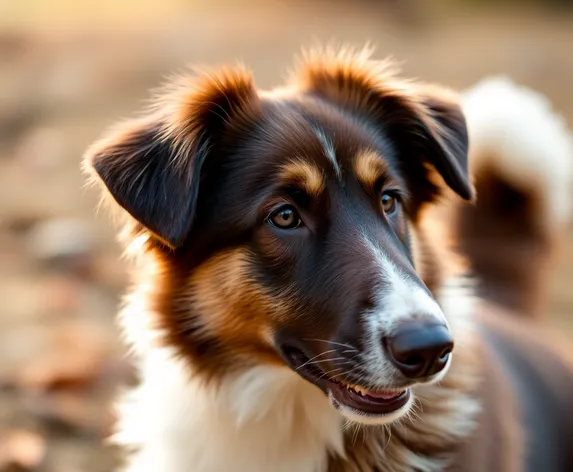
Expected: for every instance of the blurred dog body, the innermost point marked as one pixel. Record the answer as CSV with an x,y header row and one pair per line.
x,y
295,300
521,160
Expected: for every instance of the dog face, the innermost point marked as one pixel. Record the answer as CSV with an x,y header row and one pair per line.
x,y
282,224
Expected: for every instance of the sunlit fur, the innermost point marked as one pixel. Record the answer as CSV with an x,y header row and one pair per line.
x,y
304,173
269,418
369,168
518,135
216,286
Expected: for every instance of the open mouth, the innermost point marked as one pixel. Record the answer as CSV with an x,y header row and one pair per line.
x,y
363,401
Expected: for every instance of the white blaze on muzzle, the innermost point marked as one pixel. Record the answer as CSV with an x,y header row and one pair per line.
x,y
399,299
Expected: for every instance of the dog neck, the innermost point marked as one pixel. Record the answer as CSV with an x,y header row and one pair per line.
x,y
266,418
269,418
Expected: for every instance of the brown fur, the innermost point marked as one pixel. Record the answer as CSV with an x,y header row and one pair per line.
x,y
202,173
356,82
369,168
176,132
305,174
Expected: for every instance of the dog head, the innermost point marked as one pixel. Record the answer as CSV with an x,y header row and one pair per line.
x,y
283,222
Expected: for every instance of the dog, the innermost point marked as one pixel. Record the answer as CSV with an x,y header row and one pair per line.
x,y
301,298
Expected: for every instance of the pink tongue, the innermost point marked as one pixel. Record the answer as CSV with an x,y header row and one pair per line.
x,y
384,395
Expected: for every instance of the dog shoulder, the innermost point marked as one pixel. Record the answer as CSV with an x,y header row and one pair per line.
x,y
540,378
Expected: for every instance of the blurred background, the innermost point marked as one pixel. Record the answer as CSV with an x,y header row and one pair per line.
x,y
69,69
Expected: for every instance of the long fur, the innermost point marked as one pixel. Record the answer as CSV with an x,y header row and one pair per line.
x,y
268,418
260,415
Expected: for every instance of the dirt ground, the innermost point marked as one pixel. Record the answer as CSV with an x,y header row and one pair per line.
x,y
67,72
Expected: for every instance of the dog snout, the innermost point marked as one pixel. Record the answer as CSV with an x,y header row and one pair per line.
x,y
419,349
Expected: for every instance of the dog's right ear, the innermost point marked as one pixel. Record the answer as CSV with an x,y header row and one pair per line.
x,y
425,122
152,166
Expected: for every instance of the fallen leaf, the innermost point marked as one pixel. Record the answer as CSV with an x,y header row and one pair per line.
x,y
75,360
21,450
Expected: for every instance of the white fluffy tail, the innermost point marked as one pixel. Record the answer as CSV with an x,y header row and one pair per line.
x,y
521,156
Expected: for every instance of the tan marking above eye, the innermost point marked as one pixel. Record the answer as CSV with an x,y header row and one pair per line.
x,y
369,167
304,173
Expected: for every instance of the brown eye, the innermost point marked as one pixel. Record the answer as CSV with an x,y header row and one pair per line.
x,y
285,217
389,203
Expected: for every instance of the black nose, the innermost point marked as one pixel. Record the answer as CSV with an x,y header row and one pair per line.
x,y
419,349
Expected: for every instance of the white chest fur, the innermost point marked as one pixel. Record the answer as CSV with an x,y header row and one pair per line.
x,y
266,419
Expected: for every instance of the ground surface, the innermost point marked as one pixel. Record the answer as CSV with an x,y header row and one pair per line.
x,y
67,72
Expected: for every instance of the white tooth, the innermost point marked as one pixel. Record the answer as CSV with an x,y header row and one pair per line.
x,y
352,388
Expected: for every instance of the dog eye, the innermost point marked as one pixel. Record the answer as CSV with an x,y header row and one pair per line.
x,y
389,203
286,217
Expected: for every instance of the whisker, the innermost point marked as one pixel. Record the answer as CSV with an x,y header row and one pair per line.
x,y
357,368
315,357
326,360
331,342
344,375
330,372
335,370
355,356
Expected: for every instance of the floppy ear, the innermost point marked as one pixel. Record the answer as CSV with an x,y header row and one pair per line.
x,y
425,121
152,166
446,126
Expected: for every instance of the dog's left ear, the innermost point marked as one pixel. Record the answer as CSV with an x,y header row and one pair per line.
x,y
426,122
442,120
